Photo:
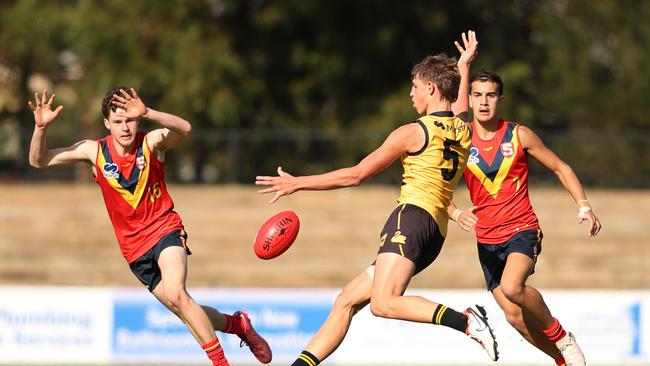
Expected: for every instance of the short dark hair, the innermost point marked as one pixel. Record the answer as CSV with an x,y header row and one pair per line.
x,y
483,75
107,103
441,70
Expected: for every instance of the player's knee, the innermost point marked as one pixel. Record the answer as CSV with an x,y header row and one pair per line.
x,y
513,292
344,301
177,300
381,308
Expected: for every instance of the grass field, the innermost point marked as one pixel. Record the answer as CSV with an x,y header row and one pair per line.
x,y
65,229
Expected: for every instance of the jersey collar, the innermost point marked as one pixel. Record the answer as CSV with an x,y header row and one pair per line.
x,y
442,114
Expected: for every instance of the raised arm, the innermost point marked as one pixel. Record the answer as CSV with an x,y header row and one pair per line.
x,y
406,138
468,52
174,128
39,155
536,148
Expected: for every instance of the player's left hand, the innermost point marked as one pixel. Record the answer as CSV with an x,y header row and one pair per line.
x,y
284,184
594,223
468,50
131,104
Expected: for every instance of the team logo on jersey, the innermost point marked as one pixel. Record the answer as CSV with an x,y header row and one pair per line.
x,y
507,149
111,170
140,162
473,156
398,238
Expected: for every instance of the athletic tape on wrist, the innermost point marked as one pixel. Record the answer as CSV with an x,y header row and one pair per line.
x,y
583,210
456,214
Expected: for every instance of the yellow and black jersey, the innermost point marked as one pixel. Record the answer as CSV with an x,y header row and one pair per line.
x,y
432,174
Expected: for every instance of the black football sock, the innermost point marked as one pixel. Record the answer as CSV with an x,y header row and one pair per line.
x,y
306,359
449,318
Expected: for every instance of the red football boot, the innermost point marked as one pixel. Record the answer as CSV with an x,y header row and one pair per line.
x,y
255,342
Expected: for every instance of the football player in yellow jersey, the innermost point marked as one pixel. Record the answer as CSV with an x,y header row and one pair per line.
x,y
434,151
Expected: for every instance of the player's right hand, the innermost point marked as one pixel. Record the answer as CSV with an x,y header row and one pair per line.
x,y
42,108
283,184
466,220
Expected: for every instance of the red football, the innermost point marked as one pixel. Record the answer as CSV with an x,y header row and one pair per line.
x,y
276,235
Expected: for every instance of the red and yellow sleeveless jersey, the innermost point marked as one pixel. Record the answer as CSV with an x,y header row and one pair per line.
x,y
497,179
135,195
432,174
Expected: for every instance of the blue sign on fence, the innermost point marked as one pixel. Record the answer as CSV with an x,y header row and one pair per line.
x,y
144,329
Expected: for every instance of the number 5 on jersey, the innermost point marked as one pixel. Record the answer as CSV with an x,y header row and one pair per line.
x,y
449,154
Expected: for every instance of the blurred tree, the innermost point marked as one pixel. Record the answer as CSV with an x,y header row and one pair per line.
x,y
177,56
338,67
30,39
594,67
594,74
310,84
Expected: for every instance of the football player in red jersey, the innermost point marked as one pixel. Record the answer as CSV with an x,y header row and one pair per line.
x,y
128,166
507,229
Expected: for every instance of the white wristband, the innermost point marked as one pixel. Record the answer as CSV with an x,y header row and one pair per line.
x,y
456,214
583,210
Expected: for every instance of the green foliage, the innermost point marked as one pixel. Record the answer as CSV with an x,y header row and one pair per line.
x,y
305,72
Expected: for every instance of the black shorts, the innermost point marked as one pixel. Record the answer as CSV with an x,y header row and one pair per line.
x,y
493,256
146,267
411,232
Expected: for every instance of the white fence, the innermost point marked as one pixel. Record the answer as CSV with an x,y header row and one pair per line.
x,y
109,325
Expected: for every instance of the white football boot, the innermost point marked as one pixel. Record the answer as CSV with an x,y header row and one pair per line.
x,y
479,330
570,351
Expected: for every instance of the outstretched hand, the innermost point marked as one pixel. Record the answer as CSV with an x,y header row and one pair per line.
x,y
42,108
131,104
469,49
284,184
